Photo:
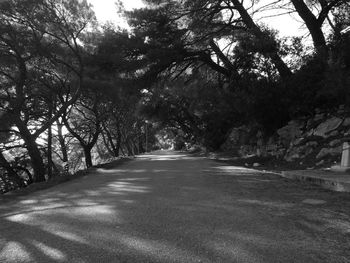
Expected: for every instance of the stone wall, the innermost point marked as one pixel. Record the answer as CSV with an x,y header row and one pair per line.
x,y
315,140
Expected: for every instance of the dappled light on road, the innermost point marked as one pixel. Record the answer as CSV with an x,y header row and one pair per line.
x,y
234,170
173,209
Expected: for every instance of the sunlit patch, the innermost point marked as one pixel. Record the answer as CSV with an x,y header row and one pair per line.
x,y
160,250
14,252
237,169
70,236
51,252
110,171
233,251
29,201
18,218
92,210
136,179
266,203
167,157
128,201
93,193
127,187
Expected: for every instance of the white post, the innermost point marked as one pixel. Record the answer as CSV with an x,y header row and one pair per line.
x,y
345,157
345,160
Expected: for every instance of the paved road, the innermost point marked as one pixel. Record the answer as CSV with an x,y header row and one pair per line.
x,y
171,207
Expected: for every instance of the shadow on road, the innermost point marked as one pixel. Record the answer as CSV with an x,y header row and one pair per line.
x,y
175,208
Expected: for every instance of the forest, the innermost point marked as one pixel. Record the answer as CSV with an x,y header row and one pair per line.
x,y
75,92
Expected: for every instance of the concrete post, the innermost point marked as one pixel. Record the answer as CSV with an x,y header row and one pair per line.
x,y
345,157
345,160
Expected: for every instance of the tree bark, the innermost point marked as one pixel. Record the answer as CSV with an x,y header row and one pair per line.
x,y
87,154
282,68
62,142
314,26
119,141
33,151
49,143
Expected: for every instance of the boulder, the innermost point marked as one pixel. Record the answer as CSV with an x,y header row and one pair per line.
x,y
335,143
319,116
290,131
329,151
334,133
329,125
341,109
298,141
292,157
346,122
312,144
320,163
294,153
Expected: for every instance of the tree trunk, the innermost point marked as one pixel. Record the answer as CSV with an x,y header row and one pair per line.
x,y
10,171
129,147
106,143
49,144
115,148
314,26
33,151
282,68
119,141
62,142
88,158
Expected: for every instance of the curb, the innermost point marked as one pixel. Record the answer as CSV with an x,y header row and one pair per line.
x,y
326,183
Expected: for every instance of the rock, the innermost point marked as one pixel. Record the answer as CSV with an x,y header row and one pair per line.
x,y
341,109
312,144
310,133
334,133
291,157
347,133
291,131
329,151
318,110
309,124
319,116
346,122
298,141
308,151
335,143
320,163
327,126
256,164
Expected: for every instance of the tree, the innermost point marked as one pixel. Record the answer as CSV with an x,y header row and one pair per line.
x,y
38,33
83,121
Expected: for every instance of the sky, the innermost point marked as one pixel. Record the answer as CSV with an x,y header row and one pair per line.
x,y
106,11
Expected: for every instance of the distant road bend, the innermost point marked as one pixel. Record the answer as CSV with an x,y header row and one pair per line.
x,y
173,207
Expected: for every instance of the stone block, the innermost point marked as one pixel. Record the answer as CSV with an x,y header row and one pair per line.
x,y
329,125
346,122
319,116
291,131
335,143
329,151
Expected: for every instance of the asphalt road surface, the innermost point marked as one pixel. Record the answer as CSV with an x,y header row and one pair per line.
x,y
173,207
